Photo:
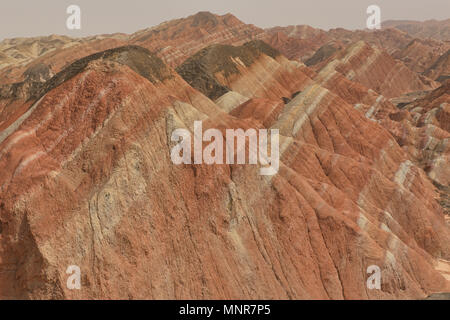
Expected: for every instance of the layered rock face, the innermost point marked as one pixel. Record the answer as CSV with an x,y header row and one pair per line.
x,y
173,41
51,52
374,69
176,40
440,69
419,55
298,42
426,56
88,180
253,70
422,128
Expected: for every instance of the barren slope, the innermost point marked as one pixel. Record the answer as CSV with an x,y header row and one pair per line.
x,y
89,181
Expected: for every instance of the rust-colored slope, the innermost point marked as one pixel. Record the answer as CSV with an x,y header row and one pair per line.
x,y
23,50
423,56
423,128
300,42
253,70
440,69
173,41
296,42
176,40
419,55
375,69
89,181
419,122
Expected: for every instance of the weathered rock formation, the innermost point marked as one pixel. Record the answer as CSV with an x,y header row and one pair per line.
x,y
176,40
87,178
373,68
89,181
440,69
425,56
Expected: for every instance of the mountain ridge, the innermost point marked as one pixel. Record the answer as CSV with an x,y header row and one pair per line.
x,y
87,176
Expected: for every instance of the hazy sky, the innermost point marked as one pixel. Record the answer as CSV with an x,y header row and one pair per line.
x,y
44,17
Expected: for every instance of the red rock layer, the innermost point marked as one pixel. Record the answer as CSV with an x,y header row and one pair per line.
x,y
89,181
375,69
296,42
419,55
267,75
176,40
440,69
422,128
290,39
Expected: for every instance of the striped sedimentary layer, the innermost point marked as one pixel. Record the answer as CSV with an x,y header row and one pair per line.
x,y
88,181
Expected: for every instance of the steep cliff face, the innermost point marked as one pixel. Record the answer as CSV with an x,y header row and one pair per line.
x,y
87,180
